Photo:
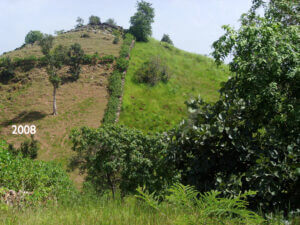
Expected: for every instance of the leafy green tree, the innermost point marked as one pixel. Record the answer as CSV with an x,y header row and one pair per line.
x,y
141,21
94,20
111,22
80,22
46,43
166,38
118,157
249,139
54,64
33,36
75,55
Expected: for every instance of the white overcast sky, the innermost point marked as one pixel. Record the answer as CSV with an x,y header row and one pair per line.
x,y
193,25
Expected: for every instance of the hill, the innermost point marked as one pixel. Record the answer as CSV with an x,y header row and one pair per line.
x,y
161,107
81,103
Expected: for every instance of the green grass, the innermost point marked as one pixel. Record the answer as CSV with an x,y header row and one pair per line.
x,y
93,210
161,107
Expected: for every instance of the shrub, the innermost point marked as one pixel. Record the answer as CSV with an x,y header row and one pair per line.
x,y
42,61
115,91
85,35
94,20
87,59
166,38
47,180
116,40
107,59
125,48
28,149
118,157
6,69
122,64
111,22
26,63
33,36
152,71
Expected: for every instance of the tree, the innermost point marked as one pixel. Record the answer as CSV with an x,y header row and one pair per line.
x,y
111,22
46,43
115,156
75,55
249,139
80,22
33,36
141,21
54,64
94,20
166,38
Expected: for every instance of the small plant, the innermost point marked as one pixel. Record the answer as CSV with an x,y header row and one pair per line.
x,y
94,20
116,40
122,64
152,72
85,35
166,38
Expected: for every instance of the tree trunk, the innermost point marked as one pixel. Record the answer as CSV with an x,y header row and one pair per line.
x,y
54,101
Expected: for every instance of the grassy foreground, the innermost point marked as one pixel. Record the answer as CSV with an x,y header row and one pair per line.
x,y
162,106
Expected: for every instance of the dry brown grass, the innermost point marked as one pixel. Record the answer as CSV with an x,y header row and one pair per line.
x,y
80,103
100,42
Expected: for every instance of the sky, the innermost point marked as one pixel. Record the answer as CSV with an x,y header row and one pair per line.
x,y
193,25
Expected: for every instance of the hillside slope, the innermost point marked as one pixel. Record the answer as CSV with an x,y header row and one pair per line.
x,y
80,103
161,107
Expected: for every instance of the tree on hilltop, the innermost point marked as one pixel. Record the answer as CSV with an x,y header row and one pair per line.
x,y
33,36
94,20
166,38
79,21
141,21
111,22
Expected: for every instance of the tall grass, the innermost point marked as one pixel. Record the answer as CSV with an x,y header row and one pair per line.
x,y
162,106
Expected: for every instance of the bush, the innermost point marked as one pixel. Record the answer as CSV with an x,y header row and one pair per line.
x,y
118,157
26,63
115,91
152,72
28,149
94,20
47,180
6,69
116,40
107,59
125,48
166,38
33,36
122,64
85,35
75,55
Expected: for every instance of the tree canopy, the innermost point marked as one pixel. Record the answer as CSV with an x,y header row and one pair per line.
x,y
33,36
141,21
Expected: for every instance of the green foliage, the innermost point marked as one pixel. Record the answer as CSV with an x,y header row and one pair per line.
x,y
28,149
79,22
6,69
33,36
141,21
166,38
94,20
47,180
121,64
115,91
107,59
46,44
125,48
114,156
250,138
26,63
75,55
204,208
116,40
111,22
85,35
153,71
